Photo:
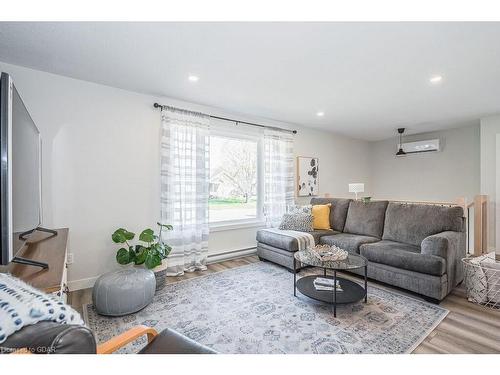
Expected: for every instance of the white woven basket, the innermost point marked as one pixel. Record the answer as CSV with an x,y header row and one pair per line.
x,y
482,280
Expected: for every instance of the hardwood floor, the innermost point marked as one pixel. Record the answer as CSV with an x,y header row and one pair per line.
x,y
468,328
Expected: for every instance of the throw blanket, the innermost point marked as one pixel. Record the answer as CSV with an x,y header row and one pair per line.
x,y
22,305
304,239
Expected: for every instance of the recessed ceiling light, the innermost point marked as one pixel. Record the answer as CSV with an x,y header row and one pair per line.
x,y
320,114
435,79
193,78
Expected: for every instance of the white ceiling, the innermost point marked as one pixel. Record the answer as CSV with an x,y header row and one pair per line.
x,y
368,78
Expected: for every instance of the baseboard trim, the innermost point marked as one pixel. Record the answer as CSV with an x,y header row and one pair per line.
x,y
212,258
82,283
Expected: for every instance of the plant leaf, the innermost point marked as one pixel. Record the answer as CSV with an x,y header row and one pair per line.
x,y
167,250
122,235
147,235
118,237
131,253
141,253
123,256
129,235
166,226
153,259
162,251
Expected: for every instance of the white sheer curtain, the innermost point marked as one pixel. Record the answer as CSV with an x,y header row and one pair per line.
x,y
185,174
278,175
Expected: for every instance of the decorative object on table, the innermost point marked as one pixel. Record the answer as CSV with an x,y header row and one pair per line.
x,y
23,305
231,303
152,253
124,291
366,199
482,280
321,216
322,283
400,152
329,253
298,222
307,176
356,188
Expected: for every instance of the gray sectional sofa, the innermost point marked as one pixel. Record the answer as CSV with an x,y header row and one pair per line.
x,y
417,247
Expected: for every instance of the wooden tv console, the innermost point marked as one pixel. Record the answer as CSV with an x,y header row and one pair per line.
x,y
52,250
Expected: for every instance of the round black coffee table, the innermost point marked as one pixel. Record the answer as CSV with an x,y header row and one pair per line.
x,y
351,291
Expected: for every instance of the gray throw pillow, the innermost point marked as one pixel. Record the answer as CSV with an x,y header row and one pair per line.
x,y
298,222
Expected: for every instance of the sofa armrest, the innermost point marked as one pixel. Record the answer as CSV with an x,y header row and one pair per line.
x,y
449,245
439,244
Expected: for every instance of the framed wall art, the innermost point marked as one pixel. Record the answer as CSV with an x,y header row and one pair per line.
x,y
307,176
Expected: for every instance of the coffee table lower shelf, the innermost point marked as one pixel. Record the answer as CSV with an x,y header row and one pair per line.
x,y
351,292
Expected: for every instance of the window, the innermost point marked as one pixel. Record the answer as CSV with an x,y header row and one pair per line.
x,y
234,176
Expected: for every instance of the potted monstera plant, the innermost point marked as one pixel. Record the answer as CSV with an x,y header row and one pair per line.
x,y
151,251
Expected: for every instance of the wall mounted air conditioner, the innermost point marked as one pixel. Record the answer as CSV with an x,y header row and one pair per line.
x,y
421,146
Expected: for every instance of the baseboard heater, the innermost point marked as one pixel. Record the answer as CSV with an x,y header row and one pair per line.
x,y
213,258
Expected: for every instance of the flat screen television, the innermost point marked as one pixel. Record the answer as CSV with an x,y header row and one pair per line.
x,y
20,202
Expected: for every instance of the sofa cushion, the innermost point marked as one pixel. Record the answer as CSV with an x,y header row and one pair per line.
x,y
366,218
347,241
338,211
411,223
285,242
404,256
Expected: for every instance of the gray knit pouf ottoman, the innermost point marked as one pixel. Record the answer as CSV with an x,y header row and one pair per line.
x,y
123,292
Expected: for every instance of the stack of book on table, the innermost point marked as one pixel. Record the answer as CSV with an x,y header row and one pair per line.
x,y
322,283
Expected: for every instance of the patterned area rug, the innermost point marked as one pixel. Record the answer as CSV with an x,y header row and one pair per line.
x,y
251,309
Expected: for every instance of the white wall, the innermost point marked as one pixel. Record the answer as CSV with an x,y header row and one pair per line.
x,y
435,176
101,163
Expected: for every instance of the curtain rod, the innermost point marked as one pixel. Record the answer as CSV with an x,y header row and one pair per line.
x,y
156,105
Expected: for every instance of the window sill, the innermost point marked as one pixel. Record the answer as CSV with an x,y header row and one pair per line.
x,y
223,226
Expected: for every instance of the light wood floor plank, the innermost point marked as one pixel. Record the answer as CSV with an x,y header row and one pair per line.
x,y
429,348
468,328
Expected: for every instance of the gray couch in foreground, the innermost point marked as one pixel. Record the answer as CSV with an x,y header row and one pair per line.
x,y
417,247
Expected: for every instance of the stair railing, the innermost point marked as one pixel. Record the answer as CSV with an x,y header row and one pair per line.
x,y
480,225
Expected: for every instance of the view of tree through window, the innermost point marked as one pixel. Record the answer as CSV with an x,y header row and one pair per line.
x,y
233,179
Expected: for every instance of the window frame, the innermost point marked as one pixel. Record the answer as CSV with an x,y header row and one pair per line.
x,y
259,219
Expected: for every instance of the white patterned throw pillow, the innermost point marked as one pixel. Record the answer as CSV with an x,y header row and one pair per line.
x,y
298,222
22,305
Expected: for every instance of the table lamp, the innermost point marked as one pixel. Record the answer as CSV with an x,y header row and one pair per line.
x,y
356,188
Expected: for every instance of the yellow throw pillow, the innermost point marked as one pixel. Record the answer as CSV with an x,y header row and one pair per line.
x,y
321,216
